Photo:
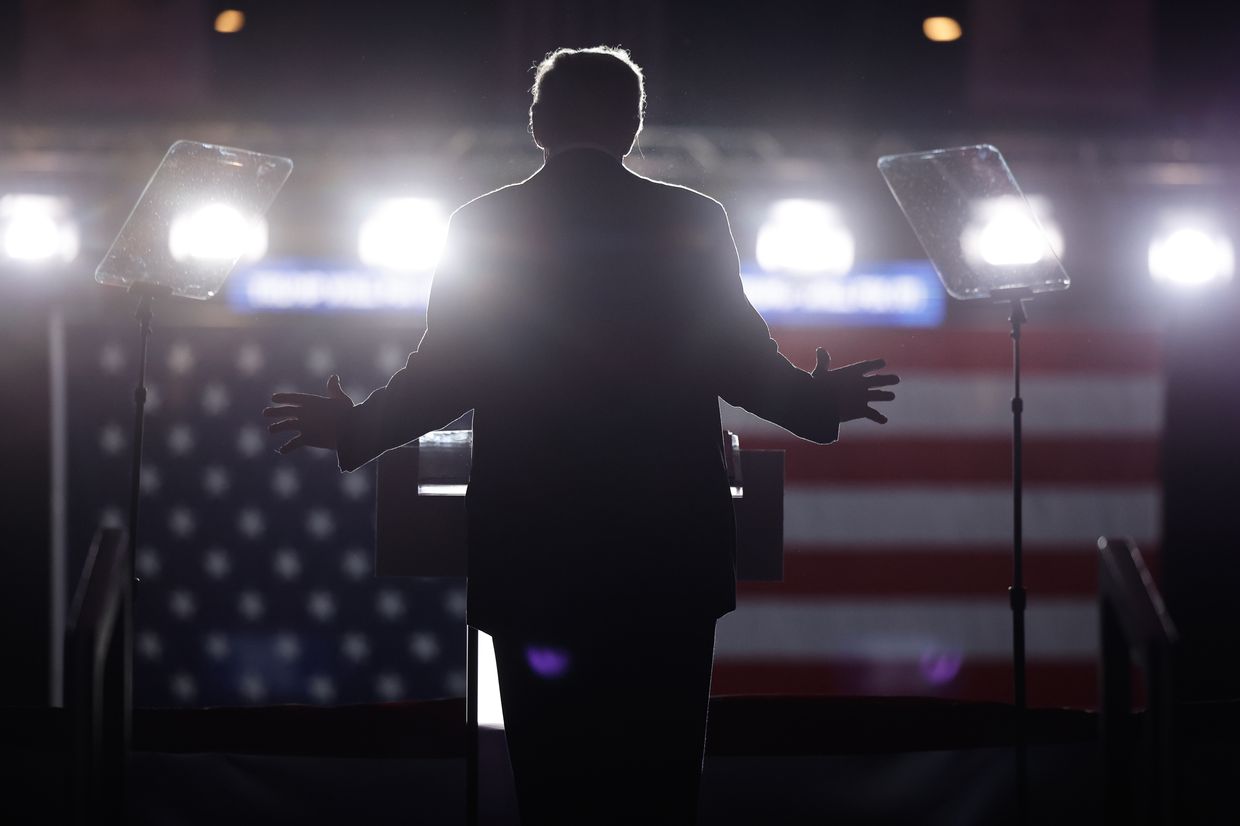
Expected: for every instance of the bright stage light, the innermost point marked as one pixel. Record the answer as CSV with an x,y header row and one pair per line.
x,y
404,234
1004,234
217,232
37,229
941,29
1191,256
230,21
805,237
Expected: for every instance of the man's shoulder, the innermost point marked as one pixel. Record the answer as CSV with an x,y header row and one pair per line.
x,y
497,200
680,196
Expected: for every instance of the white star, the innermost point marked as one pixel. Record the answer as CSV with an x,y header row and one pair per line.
x,y
215,398
148,645
390,358
250,359
454,684
424,646
287,647
180,439
455,603
321,605
111,438
216,563
390,604
251,523
320,524
112,358
147,562
181,522
183,686
284,482
250,441
182,604
321,688
320,361
355,646
356,563
215,480
151,481
355,485
180,358
287,564
216,645
250,605
252,687
389,686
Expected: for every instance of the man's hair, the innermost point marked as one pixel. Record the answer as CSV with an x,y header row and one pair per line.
x,y
595,95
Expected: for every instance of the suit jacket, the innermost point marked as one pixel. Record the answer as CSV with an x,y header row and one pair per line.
x,y
591,318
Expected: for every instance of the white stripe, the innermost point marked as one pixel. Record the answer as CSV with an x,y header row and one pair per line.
x,y
923,517
979,404
889,631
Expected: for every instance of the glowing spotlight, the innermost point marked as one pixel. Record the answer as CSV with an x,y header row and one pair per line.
x,y
217,232
805,237
37,230
403,234
1191,256
941,29
1007,233
230,21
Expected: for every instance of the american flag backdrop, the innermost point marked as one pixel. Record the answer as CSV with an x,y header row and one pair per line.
x,y
256,570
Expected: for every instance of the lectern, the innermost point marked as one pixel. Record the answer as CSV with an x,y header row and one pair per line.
x,y
420,531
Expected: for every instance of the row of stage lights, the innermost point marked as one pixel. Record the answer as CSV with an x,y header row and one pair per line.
x,y
799,237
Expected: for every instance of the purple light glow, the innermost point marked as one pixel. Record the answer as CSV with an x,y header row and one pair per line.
x,y
548,663
940,667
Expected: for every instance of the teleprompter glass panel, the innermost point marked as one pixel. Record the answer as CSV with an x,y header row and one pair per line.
x,y
200,212
974,222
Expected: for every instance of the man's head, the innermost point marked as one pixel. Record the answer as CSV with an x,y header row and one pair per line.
x,y
587,96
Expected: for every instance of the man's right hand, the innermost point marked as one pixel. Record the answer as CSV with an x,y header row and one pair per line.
x,y
852,389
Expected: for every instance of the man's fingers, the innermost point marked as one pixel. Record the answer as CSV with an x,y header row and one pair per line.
x,y
824,360
874,416
297,398
281,412
882,380
334,390
874,396
867,366
292,444
287,424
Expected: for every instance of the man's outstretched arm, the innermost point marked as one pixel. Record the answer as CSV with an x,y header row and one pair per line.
x,y
431,390
756,376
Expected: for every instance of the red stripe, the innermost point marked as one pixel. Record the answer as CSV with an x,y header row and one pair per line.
x,y
938,574
1057,349
1051,683
1122,461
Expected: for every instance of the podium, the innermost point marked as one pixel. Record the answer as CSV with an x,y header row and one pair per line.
x,y
420,531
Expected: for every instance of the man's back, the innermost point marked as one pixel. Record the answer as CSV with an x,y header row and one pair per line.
x,y
584,306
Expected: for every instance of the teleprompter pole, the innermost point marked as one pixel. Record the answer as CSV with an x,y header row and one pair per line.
x,y
1016,593
147,293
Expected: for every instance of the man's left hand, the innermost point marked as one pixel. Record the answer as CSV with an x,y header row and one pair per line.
x,y
316,419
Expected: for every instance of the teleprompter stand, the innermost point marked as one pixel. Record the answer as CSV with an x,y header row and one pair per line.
x,y
1016,593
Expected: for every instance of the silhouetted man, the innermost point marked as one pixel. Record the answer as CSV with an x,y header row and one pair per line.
x,y
592,318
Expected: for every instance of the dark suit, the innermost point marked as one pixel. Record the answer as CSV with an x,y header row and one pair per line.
x,y
591,318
